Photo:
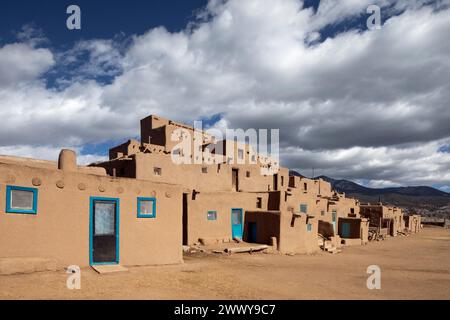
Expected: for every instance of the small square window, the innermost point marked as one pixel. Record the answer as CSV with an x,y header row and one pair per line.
x,y
247,174
304,208
322,213
259,203
157,171
204,170
253,158
212,215
146,207
21,200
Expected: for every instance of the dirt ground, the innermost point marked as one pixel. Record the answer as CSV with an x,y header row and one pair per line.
x,y
414,267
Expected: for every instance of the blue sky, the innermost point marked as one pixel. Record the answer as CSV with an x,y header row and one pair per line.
x,y
100,18
353,103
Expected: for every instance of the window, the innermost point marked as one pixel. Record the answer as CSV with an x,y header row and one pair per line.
x,y
305,186
334,215
212,215
146,207
309,227
21,200
304,208
253,158
282,181
322,213
104,224
240,154
157,171
247,174
204,170
259,202
352,210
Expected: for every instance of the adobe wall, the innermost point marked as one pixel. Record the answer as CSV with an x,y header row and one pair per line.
x,y
223,202
191,176
216,177
311,186
359,229
267,225
376,211
413,223
60,230
364,230
295,236
355,230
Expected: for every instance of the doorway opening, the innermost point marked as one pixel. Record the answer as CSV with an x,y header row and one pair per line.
x,y
275,182
104,231
235,179
185,219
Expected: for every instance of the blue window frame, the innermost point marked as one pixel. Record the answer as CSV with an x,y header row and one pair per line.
x,y
146,208
304,208
212,215
309,227
21,200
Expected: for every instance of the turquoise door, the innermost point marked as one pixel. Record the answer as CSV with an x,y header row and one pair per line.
x,y
236,223
345,230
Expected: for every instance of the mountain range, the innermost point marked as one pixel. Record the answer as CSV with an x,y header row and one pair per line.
x,y
414,198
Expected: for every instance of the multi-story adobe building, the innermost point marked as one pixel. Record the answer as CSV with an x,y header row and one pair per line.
x,y
143,204
387,219
229,191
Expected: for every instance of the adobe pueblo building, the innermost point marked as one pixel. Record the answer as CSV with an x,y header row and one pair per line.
x,y
141,206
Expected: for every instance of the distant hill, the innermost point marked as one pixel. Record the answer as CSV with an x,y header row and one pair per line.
x,y
420,197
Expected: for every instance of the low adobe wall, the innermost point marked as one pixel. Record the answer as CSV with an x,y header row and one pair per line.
x,y
298,233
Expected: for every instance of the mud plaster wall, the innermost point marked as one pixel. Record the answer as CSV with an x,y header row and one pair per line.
x,y
295,238
60,230
200,227
267,225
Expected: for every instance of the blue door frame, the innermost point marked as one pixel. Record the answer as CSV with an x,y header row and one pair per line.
x,y
236,228
91,230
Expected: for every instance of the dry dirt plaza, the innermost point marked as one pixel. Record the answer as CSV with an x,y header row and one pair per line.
x,y
414,267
